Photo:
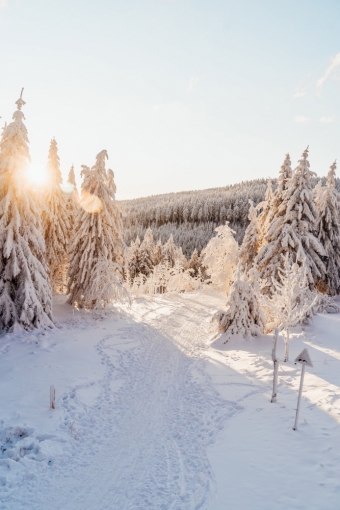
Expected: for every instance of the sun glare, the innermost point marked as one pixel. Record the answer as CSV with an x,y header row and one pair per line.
x,y
36,175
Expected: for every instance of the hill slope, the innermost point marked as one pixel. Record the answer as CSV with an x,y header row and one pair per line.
x,y
192,216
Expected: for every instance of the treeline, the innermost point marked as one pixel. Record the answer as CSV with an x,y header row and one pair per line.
x,y
192,216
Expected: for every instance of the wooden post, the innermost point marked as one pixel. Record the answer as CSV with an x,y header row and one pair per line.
x,y
276,366
52,397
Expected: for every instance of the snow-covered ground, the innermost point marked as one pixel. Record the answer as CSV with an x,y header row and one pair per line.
x,y
151,414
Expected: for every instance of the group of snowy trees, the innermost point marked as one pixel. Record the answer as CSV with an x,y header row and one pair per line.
x,y
49,239
155,268
291,245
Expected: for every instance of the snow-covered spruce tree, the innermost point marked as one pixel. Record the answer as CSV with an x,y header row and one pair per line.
x,y
133,258
56,221
25,291
220,258
146,253
158,253
194,264
293,231
97,235
328,229
243,314
170,252
251,240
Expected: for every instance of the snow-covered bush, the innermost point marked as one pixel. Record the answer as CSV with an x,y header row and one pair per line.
x,y
220,258
105,287
291,301
243,314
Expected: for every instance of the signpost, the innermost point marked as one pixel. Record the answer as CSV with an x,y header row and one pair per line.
x,y
304,359
276,366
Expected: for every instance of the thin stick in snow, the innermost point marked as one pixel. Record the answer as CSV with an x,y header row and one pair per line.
x,y
304,359
52,397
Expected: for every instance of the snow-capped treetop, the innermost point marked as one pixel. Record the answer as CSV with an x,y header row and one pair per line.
x,y
71,177
331,176
53,165
284,175
15,138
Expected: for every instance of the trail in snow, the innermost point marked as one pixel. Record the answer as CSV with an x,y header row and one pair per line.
x,y
143,444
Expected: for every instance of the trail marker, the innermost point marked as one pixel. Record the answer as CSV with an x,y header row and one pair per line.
x,y
276,366
305,360
52,397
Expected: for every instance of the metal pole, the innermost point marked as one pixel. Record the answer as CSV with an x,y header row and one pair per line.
x,y
286,345
276,366
276,373
299,397
276,334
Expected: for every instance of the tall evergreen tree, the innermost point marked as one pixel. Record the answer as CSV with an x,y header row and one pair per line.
x,y
97,235
328,229
25,291
56,220
194,264
133,256
293,230
170,251
146,253
263,217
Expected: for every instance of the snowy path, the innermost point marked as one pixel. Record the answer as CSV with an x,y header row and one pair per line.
x,y
143,444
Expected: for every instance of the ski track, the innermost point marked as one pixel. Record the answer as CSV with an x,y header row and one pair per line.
x,y
144,445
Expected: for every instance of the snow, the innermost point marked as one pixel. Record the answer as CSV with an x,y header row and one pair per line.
x,y
154,412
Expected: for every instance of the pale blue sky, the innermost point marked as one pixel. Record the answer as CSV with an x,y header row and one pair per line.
x,y
182,94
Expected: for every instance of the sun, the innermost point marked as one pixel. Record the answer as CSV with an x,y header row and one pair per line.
x,y
36,175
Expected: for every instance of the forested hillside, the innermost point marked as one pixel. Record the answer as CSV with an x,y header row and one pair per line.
x,y
192,216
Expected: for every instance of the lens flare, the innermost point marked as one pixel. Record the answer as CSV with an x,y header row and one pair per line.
x,y
36,175
91,203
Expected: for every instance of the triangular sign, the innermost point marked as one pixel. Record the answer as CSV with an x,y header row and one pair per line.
x,y
304,358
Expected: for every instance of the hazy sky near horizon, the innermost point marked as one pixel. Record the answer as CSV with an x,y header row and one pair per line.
x,y
182,94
